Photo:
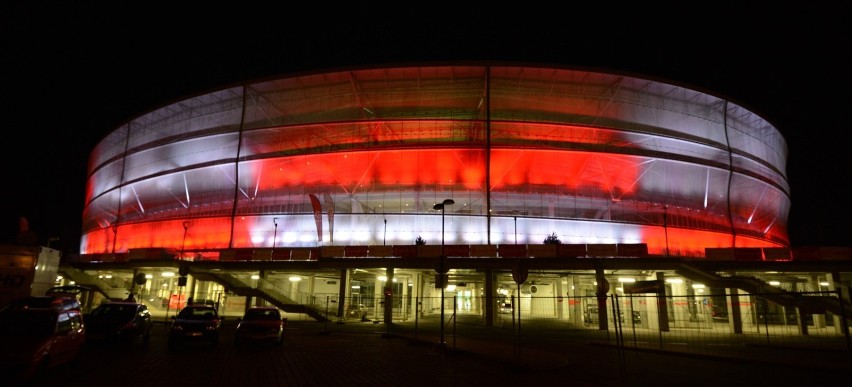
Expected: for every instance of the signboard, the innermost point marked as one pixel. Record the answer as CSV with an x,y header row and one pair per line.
x,y
654,286
520,272
441,280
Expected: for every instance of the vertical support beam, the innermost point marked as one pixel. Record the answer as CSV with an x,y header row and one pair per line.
x,y
488,155
662,304
819,319
258,301
388,296
575,302
601,293
735,316
490,298
343,292
560,301
840,324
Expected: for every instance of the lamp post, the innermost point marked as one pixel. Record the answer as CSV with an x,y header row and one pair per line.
x,y
183,243
442,268
516,230
274,234
666,227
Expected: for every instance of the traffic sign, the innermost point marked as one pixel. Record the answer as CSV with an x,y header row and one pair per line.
x,y
520,272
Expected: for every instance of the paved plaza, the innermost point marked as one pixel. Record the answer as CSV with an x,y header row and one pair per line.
x,y
364,354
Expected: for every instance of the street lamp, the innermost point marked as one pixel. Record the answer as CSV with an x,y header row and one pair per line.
x,y
666,227
183,243
274,234
516,230
442,268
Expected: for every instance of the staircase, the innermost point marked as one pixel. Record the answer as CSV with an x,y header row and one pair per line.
x,y
806,304
81,278
265,290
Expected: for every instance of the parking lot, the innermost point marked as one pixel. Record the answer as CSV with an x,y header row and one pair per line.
x,y
362,354
307,357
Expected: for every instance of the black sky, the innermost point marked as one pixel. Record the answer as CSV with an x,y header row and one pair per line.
x,y
72,73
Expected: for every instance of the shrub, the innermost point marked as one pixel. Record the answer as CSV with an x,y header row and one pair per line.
x,y
552,239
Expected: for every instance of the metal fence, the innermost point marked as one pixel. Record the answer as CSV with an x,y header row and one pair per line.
x,y
740,326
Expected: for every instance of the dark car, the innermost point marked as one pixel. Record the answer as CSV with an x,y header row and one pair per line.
x,y
195,323
261,324
119,322
35,339
45,302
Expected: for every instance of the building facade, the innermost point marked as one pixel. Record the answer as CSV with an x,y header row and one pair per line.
x,y
362,156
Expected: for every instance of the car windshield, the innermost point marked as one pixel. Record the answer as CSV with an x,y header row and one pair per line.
x,y
27,323
258,314
197,313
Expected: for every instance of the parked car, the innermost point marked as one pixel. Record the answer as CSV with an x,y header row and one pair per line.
x,y
637,317
195,323
35,339
505,307
261,324
119,322
591,316
45,302
357,311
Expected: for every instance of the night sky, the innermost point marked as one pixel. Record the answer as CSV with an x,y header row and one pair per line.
x,y
73,73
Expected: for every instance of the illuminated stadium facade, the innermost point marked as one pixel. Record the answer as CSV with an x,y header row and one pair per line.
x,y
308,192
362,156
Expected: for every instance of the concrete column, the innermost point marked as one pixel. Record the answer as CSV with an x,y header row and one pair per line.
x,y
344,290
601,293
419,285
490,303
819,319
561,304
574,301
191,285
388,296
662,304
735,319
840,324
258,301
405,298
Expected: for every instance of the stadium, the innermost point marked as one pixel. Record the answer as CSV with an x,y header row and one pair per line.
x,y
514,183
524,152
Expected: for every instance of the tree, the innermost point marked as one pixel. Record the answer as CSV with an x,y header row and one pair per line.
x,y
419,241
552,239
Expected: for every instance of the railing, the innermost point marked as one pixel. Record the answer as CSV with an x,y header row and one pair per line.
x,y
625,250
692,324
105,288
